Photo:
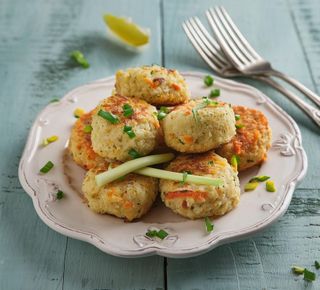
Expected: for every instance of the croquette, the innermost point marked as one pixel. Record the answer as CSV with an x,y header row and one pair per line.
x,y
124,128
156,85
199,126
80,146
252,141
129,197
197,201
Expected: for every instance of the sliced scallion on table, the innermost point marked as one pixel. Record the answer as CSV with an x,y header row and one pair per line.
x,y
259,178
79,58
161,234
208,80
270,186
60,194
297,270
113,119
214,93
308,275
317,265
250,186
130,166
47,167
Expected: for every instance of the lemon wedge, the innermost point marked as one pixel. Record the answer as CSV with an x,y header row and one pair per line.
x,y
127,31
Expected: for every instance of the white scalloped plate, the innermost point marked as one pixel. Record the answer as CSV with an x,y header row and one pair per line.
x,y
287,164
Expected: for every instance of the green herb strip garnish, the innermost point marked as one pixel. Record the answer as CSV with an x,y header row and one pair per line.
x,y
184,176
113,119
235,159
214,93
208,80
237,117
260,178
127,110
128,130
54,100
208,224
270,186
162,113
161,234
250,186
87,129
317,265
60,194
134,153
79,58
239,126
308,275
47,167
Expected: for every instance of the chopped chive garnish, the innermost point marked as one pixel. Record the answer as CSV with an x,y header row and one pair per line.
x,y
49,140
260,178
239,126
250,186
127,110
79,58
235,159
60,194
162,113
87,129
113,119
77,113
47,167
209,225
161,234
128,130
208,80
184,177
297,270
237,117
308,275
317,265
54,100
134,153
270,186
214,93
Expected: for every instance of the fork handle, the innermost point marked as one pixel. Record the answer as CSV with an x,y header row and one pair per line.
x,y
310,94
311,111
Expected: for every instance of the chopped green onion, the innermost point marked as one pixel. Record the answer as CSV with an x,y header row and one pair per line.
x,y
176,176
235,159
127,110
208,224
113,119
210,162
239,126
130,166
49,140
180,141
270,186
250,186
60,194
214,93
308,275
260,178
79,58
151,234
184,177
134,153
317,265
297,270
55,100
47,167
162,113
162,234
237,117
128,130
208,80
87,129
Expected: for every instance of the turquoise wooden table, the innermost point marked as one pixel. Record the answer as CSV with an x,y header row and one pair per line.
x,y
36,38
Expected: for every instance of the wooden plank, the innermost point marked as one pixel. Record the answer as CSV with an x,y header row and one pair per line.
x,y
262,262
35,68
253,18
31,255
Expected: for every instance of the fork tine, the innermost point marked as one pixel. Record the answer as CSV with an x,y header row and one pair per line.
x,y
198,47
212,47
224,43
233,36
240,36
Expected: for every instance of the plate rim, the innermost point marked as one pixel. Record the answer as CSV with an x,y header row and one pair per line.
x,y
166,252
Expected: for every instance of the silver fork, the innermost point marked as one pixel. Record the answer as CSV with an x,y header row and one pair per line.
x,y
241,53
211,53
